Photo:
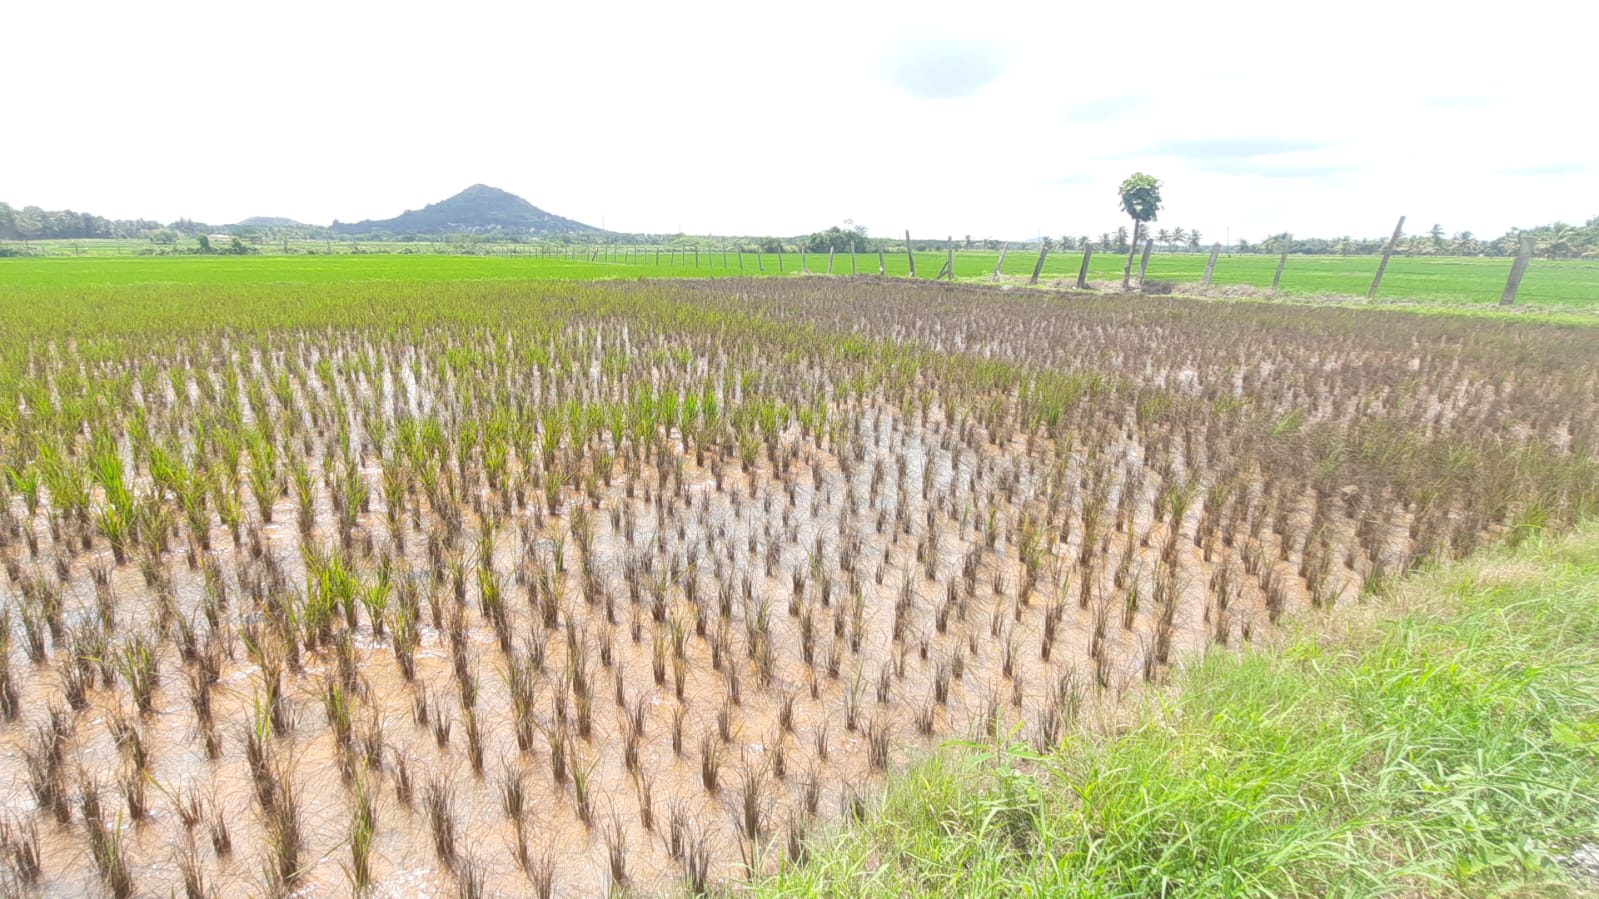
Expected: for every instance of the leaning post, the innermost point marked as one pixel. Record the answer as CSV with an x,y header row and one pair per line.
x,y
1001,262
1517,270
1387,253
1210,267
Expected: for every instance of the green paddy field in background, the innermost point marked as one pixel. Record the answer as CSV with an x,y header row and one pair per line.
x,y
1557,285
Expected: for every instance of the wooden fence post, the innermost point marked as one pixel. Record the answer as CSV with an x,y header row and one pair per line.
x,y
1288,243
949,256
909,254
1001,262
852,258
1210,267
882,266
1143,261
741,258
1387,252
1038,267
760,260
1082,273
780,258
1517,270
696,256
829,260
803,269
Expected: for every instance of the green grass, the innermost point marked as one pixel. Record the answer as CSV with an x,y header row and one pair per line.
x,y
1443,740
1565,285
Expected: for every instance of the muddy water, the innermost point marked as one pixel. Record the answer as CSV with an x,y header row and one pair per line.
x,y
717,524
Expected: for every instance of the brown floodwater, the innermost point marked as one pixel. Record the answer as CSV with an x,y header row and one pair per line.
x,y
811,507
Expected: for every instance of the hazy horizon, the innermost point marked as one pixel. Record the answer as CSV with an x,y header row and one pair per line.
x,y
1007,122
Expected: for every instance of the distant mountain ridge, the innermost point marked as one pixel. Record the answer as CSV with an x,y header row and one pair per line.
x,y
479,209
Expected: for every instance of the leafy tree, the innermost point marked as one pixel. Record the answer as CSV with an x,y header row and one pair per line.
x,y
1556,240
1140,196
1465,244
1179,236
837,239
205,243
1195,239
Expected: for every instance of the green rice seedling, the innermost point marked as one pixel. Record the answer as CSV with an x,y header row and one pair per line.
x,y
106,849
878,735
513,797
752,801
439,802
44,760
583,790
284,837
336,704
133,790
710,762
558,742
257,738
363,827
614,835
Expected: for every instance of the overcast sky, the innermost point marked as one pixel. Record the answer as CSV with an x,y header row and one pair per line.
x,y
995,119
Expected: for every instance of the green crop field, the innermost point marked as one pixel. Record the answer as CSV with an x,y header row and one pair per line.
x,y
1565,285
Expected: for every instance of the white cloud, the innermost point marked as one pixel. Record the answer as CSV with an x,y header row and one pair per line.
x,y
1006,119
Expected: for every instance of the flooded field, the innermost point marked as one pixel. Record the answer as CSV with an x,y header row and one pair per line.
x,y
490,589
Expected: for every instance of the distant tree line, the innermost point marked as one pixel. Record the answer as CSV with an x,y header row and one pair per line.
x,y
33,223
1554,241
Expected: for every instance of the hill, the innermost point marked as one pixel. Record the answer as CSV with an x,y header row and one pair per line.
x,y
270,221
479,209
